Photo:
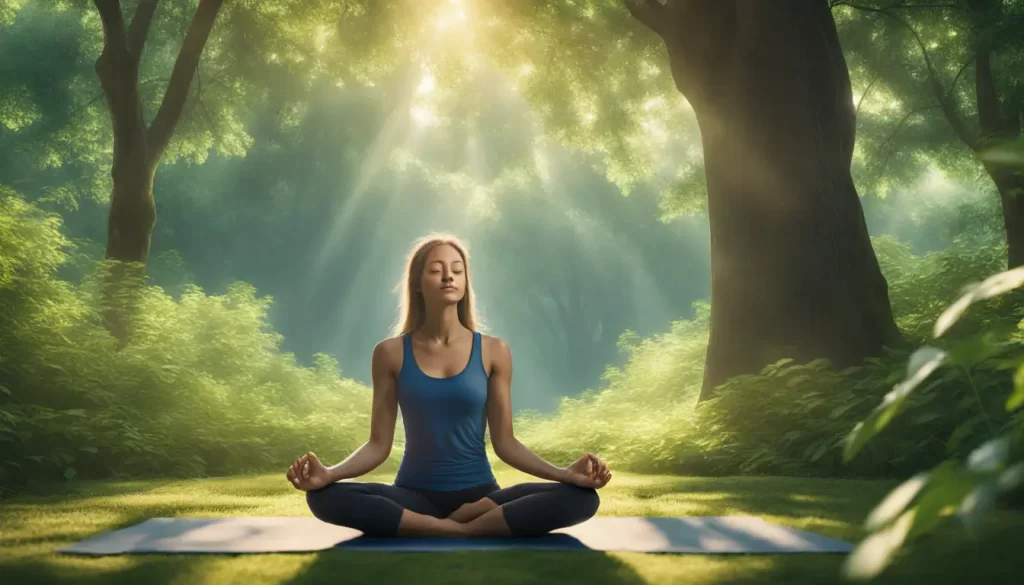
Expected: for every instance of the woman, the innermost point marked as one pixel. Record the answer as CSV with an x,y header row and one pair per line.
x,y
450,382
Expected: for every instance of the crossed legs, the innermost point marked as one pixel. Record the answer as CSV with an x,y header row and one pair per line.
x,y
527,509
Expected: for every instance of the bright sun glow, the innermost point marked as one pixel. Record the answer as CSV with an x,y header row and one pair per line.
x,y
423,115
427,84
454,15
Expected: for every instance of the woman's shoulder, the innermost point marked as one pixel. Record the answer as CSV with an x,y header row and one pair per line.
x,y
496,345
388,349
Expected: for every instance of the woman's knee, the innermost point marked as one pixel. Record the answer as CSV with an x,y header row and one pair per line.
x,y
589,501
583,501
326,503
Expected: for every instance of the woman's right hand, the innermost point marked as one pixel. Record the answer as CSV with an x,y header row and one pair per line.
x,y
308,473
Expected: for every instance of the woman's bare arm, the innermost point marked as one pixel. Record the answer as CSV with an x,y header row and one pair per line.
x,y
376,450
499,418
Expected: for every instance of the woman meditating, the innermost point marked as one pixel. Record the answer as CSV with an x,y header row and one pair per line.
x,y
451,383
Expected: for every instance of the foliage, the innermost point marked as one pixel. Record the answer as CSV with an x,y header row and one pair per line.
x,y
914,69
793,418
202,390
614,100
995,467
205,389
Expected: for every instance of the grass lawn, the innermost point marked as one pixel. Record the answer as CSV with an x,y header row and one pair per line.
x,y
32,526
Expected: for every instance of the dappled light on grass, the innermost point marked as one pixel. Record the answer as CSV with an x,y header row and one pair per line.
x,y
34,526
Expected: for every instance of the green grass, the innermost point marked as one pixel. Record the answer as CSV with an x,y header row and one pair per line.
x,y
32,526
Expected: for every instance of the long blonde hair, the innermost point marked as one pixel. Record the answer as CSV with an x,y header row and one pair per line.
x,y
412,308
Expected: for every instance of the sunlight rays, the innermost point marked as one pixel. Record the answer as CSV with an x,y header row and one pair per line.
x,y
442,69
356,315
419,107
372,166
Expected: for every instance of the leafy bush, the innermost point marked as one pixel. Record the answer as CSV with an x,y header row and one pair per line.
x,y
792,418
202,389
995,467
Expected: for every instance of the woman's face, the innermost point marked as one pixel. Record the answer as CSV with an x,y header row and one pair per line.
x,y
444,276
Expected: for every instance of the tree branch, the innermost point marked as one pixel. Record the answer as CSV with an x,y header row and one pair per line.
x,y
649,12
956,78
899,125
162,128
120,84
856,111
138,30
114,39
944,99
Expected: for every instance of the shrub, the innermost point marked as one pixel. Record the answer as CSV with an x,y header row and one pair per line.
x,y
993,467
790,418
202,389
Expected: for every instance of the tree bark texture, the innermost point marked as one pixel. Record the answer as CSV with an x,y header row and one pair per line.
x,y
138,149
793,273
997,126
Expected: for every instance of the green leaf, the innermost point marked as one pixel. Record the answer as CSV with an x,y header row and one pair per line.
x,y
876,551
975,350
1016,400
973,507
896,502
839,410
70,473
921,364
962,431
1012,477
990,456
946,489
821,450
992,286
797,380
92,450
926,417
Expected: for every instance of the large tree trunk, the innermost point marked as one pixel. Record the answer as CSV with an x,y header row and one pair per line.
x,y
997,126
138,149
793,273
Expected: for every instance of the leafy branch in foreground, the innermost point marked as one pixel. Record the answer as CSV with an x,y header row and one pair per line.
x,y
995,467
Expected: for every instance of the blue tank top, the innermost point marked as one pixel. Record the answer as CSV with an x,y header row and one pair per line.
x,y
444,421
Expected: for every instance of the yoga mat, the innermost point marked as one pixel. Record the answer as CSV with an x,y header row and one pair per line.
x,y
697,534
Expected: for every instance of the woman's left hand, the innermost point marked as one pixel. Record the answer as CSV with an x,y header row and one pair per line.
x,y
588,471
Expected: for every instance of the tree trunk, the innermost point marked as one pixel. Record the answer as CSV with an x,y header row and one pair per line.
x,y
1011,194
793,273
997,126
138,149
129,233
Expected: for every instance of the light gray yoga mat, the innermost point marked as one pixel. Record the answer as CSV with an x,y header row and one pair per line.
x,y
697,534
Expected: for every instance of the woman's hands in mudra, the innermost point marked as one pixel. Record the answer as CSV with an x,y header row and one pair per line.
x,y
308,473
588,471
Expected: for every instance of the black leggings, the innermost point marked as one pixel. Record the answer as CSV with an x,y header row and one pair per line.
x,y
530,509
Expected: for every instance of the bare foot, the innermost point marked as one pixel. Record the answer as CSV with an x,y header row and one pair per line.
x,y
413,524
473,510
